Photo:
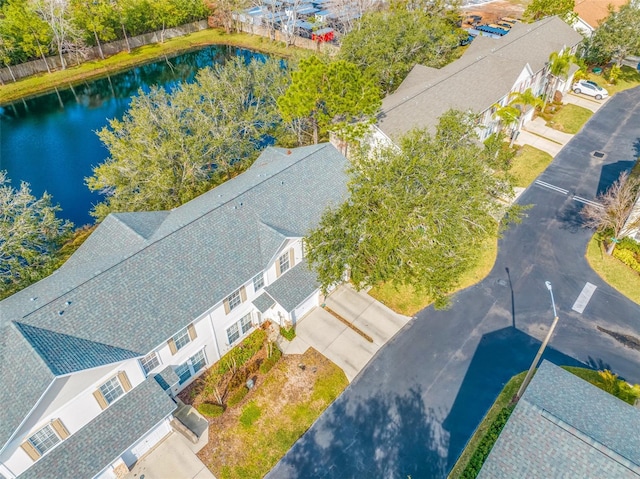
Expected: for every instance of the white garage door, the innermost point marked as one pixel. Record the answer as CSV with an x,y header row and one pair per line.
x,y
306,306
146,443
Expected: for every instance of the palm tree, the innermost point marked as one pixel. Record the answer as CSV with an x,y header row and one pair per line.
x,y
559,64
511,114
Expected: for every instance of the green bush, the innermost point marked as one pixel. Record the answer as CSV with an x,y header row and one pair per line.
x,y
210,410
629,244
250,413
627,257
237,396
243,352
288,334
268,363
486,444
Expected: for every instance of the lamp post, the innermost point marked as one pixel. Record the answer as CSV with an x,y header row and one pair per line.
x,y
529,375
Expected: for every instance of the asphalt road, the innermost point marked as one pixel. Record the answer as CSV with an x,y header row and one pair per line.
x,y
412,410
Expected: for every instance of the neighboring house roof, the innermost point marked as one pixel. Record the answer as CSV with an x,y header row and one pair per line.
x,y
293,288
565,427
486,72
594,11
87,452
122,301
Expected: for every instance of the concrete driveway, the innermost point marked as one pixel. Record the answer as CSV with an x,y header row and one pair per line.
x,y
336,340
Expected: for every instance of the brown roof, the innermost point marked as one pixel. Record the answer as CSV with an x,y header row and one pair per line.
x,y
593,11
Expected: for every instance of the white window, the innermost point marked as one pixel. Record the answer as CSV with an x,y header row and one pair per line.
x,y
181,339
284,262
111,390
44,439
150,362
258,281
234,300
239,328
194,364
233,333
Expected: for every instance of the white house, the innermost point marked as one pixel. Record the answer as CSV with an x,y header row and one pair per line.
x,y
91,357
486,74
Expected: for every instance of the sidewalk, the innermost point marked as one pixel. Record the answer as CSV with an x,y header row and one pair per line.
x,y
584,101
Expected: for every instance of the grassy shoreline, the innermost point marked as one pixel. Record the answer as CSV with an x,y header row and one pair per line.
x,y
91,70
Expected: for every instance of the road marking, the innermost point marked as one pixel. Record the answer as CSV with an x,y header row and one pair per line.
x,y
586,201
584,297
551,187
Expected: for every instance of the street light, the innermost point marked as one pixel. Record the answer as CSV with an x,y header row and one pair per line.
x,y
534,364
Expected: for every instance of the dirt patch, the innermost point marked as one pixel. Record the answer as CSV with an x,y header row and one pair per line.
x,y
492,12
288,400
626,339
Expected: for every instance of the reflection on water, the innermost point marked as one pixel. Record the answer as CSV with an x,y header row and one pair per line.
x,y
50,142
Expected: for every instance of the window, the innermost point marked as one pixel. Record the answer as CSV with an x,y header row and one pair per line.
x,y
245,323
234,300
283,261
183,372
198,361
149,362
44,439
194,364
258,281
233,333
111,390
239,328
181,339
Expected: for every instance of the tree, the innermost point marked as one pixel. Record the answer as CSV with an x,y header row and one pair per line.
x,y
559,64
328,97
31,34
171,147
511,114
386,45
415,214
30,233
97,18
538,9
57,14
614,214
616,37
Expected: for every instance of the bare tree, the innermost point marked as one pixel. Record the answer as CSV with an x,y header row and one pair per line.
x,y
616,211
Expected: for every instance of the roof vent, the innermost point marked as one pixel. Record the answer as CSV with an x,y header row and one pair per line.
x,y
241,203
282,182
68,303
33,298
60,313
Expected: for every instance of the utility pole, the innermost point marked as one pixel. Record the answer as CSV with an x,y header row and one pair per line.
x,y
534,364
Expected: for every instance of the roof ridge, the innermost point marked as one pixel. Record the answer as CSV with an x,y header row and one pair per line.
x,y
181,227
538,24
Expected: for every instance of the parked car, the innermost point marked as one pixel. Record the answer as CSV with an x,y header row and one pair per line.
x,y
590,88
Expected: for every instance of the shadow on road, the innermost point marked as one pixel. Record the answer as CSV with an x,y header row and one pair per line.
x,y
611,172
500,355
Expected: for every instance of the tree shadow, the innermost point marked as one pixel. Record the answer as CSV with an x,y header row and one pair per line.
x,y
386,435
570,217
610,172
636,147
499,356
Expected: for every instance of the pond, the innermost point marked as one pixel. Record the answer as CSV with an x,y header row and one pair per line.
x,y
50,141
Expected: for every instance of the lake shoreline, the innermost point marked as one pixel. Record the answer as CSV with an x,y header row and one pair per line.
x,y
46,83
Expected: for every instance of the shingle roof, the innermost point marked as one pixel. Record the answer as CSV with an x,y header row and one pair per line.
x,y
263,302
293,287
123,298
594,11
166,378
565,427
87,452
482,76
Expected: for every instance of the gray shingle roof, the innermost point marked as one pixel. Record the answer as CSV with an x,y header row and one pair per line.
x,y
293,287
482,76
263,302
166,378
126,297
565,427
92,448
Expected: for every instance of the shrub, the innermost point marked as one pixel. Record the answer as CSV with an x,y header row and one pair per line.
x,y
210,410
268,363
629,244
627,257
486,444
242,353
250,413
237,396
288,334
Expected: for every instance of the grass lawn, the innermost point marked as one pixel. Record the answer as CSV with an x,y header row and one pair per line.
x,y
629,78
45,82
569,118
528,164
405,300
614,272
249,438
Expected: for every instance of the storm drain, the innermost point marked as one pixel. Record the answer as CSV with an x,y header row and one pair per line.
x,y
598,154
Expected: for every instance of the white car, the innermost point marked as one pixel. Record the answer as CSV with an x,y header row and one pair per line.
x,y
590,88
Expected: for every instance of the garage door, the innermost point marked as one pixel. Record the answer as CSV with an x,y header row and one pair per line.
x,y
143,446
306,306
